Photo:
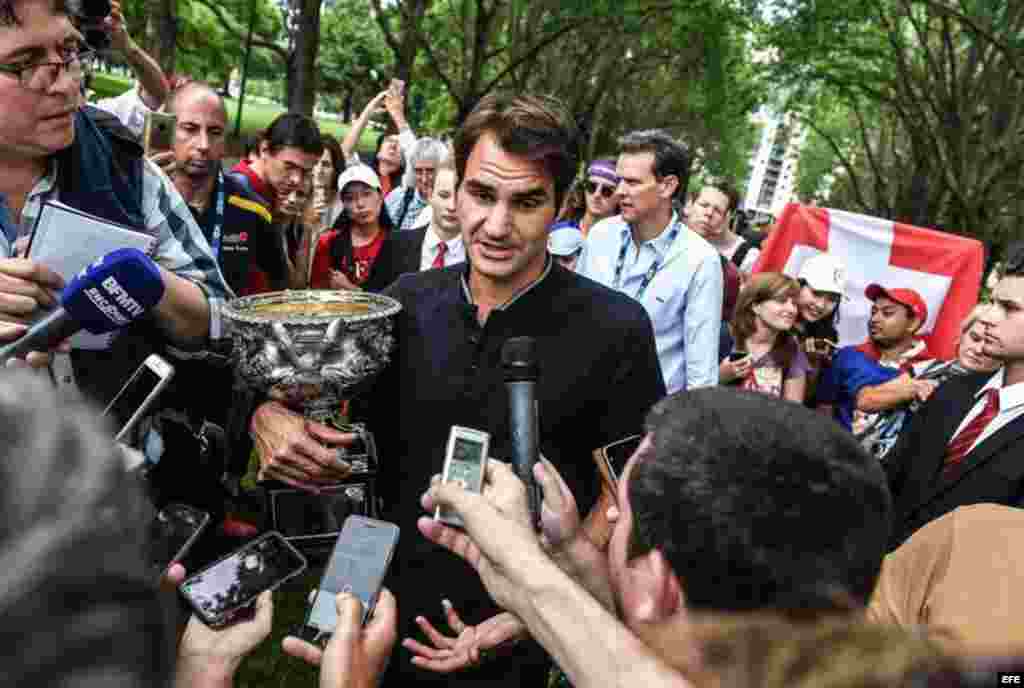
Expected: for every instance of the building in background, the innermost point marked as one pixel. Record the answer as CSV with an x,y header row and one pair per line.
x,y
773,166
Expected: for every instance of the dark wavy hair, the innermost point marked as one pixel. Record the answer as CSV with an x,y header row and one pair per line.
x,y
759,504
538,128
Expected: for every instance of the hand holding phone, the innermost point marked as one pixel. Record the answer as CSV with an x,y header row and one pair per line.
x,y
358,565
465,463
227,589
820,347
158,132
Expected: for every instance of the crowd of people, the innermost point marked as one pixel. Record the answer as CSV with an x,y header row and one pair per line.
x,y
797,512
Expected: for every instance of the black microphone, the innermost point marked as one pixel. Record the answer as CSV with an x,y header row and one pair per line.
x,y
519,362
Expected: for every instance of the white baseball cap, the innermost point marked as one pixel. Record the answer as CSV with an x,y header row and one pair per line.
x,y
359,173
824,273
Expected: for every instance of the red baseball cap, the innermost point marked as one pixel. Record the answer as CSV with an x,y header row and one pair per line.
x,y
908,297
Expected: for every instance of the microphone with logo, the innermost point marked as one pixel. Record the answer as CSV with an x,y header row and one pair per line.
x,y
112,293
519,363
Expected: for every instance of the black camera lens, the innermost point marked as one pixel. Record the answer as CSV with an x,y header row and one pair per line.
x,y
95,9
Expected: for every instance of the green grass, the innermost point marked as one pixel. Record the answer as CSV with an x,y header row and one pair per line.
x,y
256,115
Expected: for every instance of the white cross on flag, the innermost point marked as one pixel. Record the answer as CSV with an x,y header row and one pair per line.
x,y
944,269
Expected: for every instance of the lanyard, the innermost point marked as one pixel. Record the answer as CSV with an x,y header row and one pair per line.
x,y
218,221
673,232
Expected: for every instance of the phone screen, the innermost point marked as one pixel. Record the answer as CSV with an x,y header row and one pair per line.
x,y
466,463
358,564
131,397
298,513
238,579
172,531
618,453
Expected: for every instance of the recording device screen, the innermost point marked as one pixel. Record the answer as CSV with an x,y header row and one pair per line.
x,y
467,456
300,514
172,530
239,578
358,565
618,453
139,386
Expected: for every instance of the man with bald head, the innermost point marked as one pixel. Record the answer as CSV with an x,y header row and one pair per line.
x,y
233,219
238,228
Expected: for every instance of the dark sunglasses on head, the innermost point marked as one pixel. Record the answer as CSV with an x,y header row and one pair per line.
x,y
606,191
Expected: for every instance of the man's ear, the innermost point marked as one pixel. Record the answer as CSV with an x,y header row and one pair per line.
x,y
916,324
661,593
671,183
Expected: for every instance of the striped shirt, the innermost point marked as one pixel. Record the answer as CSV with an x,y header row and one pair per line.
x,y
181,247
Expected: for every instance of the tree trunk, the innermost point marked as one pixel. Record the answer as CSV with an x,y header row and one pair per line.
x,y
162,30
302,66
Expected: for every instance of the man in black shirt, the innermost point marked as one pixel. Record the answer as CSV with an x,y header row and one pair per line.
x,y
599,367
237,226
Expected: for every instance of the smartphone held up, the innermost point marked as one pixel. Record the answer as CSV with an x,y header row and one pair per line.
x,y
465,463
227,589
358,564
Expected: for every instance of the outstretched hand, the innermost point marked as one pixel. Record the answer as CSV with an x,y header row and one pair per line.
x,y
471,645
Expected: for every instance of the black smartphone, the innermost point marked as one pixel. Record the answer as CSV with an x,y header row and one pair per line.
x,y
226,589
615,456
358,565
172,532
302,516
737,356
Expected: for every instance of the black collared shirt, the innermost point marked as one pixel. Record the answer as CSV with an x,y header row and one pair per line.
x,y
599,376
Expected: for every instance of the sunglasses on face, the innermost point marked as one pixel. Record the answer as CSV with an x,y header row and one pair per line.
x,y
594,187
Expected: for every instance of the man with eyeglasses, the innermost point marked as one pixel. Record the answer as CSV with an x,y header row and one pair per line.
x,y
51,148
648,253
405,203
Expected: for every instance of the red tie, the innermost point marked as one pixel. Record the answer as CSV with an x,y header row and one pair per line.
x,y
442,248
966,438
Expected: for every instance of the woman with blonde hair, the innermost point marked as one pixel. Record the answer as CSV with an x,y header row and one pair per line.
x,y
764,356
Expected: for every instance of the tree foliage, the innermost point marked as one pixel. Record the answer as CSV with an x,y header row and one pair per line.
x,y
920,101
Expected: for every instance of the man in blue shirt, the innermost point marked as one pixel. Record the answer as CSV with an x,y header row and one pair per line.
x,y
649,254
855,383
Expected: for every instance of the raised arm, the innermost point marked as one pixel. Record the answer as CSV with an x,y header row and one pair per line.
x,y
348,145
154,84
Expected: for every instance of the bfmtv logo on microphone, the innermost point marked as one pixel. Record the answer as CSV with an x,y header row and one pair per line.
x,y
114,291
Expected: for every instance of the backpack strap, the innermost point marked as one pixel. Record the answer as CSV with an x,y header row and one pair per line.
x,y
406,200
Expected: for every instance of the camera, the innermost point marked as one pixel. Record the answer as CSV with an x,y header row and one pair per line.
x,y
89,16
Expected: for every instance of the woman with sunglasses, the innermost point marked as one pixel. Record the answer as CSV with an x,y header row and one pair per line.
x,y
600,199
766,357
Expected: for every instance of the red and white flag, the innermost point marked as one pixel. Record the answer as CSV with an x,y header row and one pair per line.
x,y
944,269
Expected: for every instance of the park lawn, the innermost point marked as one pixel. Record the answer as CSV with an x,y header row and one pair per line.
x,y
256,115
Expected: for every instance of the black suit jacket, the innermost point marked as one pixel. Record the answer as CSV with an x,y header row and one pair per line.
x,y
408,247
992,472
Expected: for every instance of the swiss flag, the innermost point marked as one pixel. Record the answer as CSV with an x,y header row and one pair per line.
x,y
944,269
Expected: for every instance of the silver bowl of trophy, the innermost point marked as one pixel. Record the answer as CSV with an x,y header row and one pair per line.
x,y
315,351
312,350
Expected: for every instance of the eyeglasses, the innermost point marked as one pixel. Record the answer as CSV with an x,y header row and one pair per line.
x,y
29,75
606,191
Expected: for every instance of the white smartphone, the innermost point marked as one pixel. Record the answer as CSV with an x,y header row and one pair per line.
x,y
138,394
465,462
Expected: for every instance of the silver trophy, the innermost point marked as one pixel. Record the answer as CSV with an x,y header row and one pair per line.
x,y
315,351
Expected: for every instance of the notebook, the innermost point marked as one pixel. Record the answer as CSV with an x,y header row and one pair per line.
x,y
67,240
